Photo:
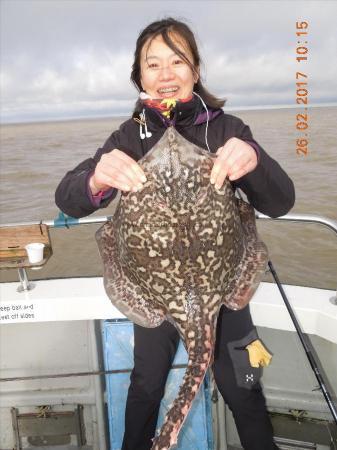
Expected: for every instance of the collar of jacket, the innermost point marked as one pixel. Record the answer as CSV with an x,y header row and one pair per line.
x,y
184,115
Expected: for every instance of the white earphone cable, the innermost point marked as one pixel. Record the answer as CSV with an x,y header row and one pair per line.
x,y
204,105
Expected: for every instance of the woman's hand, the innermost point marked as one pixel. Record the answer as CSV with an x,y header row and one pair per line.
x,y
116,169
235,159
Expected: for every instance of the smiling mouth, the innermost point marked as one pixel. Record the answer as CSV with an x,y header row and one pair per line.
x,y
168,92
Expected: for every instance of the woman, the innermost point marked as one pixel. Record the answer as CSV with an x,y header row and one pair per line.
x,y
166,71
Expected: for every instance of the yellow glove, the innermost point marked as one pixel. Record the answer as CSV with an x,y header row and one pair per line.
x,y
258,355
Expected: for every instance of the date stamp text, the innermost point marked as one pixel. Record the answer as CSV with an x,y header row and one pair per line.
x,y
302,92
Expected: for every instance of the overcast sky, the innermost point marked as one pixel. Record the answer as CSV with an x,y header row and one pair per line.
x,y
72,58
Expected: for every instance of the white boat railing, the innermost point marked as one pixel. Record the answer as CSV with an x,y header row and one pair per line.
x,y
67,221
304,218
64,221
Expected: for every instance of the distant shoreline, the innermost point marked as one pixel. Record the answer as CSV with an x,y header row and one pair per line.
x,y
121,117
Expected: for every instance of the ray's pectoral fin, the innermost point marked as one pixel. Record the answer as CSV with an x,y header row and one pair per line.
x,y
252,267
128,299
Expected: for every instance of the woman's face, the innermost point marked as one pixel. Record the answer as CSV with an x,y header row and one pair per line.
x,y
164,74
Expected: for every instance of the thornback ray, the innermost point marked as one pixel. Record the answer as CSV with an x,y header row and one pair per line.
x,y
178,250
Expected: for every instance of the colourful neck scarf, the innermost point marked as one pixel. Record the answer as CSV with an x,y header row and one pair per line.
x,y
165,105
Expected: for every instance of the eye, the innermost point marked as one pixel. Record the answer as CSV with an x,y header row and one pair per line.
x,y
178,61
153,65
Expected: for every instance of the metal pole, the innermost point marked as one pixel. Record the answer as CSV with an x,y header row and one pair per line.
x,y
67,222
306,345
77,374
25,285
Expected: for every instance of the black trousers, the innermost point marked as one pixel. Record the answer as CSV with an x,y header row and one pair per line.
x,y
237,381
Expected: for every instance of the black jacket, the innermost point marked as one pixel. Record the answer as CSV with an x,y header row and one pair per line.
x,y
268,187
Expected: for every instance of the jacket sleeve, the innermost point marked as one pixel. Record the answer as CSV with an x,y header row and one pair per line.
x,y
268,188
71,195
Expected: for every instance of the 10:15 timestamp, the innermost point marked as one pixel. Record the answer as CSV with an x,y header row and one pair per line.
x,y
302,124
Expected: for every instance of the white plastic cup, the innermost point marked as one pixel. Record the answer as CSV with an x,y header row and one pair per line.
x,y
35,252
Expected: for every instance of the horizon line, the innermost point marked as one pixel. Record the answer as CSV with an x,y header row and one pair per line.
x,y
115,115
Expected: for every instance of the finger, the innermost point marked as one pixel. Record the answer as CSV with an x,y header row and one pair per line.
x,y
219,150
124,180
135,171
220,166
240,159
235,175
230,143
242,155
122,164
238,154
136,168
118,169
219,181
237,164
139,173
237,160
112,181
217,168
132,174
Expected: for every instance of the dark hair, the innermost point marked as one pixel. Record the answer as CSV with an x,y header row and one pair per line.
x,y
165,28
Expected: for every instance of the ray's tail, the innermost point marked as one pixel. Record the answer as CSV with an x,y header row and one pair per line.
x,y
198,363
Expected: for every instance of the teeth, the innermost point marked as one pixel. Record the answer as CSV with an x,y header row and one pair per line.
x,y
168,90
